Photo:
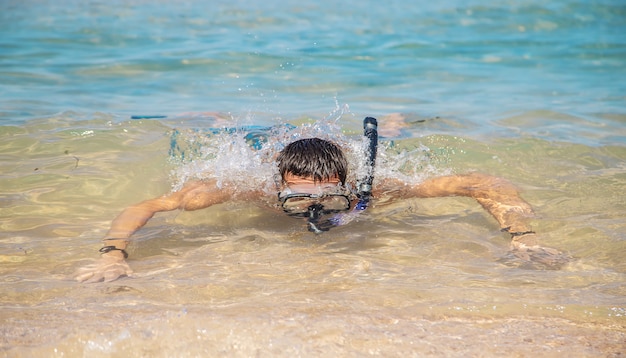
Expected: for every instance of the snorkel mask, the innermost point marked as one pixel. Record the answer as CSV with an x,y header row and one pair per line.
x,y
314,206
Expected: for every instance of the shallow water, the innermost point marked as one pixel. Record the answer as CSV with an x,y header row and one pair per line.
x,y
240,280
525,90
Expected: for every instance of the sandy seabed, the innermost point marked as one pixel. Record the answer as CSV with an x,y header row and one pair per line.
x,y
303,330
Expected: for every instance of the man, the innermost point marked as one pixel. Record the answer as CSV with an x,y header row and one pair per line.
x,y
313,173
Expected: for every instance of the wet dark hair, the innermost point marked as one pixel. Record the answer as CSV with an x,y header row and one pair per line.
x,y
313,157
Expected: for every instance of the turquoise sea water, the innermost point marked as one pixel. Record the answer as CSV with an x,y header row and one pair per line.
x,y
532,91
474,59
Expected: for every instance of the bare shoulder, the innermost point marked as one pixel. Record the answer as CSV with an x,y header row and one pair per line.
x,y
391,124
397,187
201,194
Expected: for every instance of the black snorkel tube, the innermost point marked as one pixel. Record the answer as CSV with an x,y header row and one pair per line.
x,y
364,193
370,131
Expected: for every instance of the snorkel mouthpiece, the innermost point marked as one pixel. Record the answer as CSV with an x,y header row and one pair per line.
x,y
315,212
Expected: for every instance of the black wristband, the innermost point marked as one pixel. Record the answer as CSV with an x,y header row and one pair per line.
x,y
516,233
106,249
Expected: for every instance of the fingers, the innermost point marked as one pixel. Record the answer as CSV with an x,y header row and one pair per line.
x,y
527,249
536,258
110,275
523,255
95,277
551,258
84,276
116,271
104,270
86,273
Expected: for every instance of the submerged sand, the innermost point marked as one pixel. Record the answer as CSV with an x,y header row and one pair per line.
x,y
305,329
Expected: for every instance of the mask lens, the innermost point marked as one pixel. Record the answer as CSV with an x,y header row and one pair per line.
x,y
300,203
297,205
335,203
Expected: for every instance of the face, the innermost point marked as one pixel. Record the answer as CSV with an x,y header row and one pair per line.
x,y
307,185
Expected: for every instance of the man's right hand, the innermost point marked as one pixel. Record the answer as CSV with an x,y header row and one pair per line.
x,y
528,253
109,267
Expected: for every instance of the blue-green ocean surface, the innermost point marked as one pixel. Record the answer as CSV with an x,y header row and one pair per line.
x,y
528,90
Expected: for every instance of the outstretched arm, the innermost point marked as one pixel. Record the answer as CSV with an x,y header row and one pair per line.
x,y
501,199
193,196
498,196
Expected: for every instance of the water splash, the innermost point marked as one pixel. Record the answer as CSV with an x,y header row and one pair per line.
x,y
245,156
409,161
